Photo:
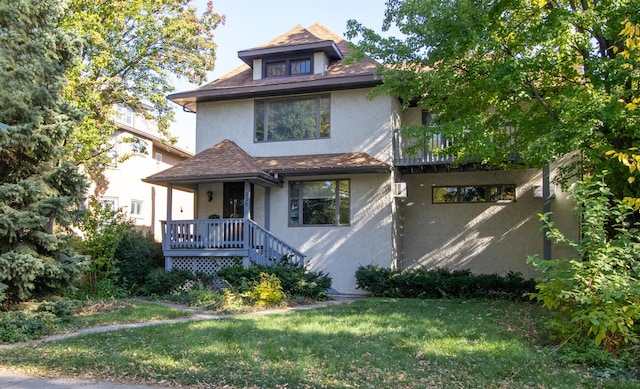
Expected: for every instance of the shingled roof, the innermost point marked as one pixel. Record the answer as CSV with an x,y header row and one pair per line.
x,y
239,83
226,161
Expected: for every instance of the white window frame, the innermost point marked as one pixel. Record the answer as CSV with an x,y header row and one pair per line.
x,y
136,209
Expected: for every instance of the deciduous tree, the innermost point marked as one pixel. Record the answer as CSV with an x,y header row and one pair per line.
x,y
131,51
564,73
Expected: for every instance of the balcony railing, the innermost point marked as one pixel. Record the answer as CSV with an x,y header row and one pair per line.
x,y
237,236
424,156
428,153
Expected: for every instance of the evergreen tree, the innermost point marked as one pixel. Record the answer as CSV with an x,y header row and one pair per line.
x,y
40,196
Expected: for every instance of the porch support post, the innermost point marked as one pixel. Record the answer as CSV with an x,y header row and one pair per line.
x,y
267,208
169,202
196,211
247,214
247,200
168,261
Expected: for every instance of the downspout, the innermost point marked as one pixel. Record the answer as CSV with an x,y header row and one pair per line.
x,y
546,209
168,261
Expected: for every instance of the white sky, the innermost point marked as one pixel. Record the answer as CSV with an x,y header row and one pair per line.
x,y
250,23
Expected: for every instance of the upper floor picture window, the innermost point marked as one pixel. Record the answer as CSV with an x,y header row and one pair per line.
x,y
290,67
292,118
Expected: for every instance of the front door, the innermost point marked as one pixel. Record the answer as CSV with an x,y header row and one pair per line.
x,y
233,200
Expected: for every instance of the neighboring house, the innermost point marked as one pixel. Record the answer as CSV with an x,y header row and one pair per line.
x,y
122,185
295,157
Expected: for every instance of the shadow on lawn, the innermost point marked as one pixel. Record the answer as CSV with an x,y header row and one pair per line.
x,y
379,343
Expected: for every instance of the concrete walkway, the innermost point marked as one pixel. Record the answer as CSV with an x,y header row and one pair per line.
x,y
15,380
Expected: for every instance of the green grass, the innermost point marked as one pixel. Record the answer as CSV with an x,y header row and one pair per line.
x,y
121,312
372,343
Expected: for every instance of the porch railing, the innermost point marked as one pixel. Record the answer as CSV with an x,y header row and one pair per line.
x,y
267,248
228,234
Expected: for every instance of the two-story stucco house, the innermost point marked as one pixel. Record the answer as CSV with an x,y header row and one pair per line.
x,y
121,185
295,157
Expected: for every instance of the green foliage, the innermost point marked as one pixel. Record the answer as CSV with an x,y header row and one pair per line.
x,y
294,278
267,290
60,308
40,196
103,229
160,282
563,73
440,283
130,51
18,326
596,296
135,256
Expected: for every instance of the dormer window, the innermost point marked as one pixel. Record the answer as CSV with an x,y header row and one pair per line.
x,y
289,67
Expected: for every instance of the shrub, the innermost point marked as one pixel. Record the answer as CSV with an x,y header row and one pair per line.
x,y
439,283
135,256
267,291
18,326
103,229
63,309
294,279
160,282
596,297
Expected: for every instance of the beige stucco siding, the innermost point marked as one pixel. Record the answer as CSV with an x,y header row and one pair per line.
x,y
482,237
339,251
124,184
358,123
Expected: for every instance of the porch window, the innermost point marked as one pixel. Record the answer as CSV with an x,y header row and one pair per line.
x,y
473,194
292,118
325,203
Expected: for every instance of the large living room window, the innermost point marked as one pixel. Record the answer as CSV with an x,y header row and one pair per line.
x,y
292,118
319,203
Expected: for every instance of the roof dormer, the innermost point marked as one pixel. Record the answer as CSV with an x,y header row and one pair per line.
x,y
291,60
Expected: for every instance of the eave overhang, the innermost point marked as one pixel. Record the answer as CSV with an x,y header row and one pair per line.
x,y
329,48
188,100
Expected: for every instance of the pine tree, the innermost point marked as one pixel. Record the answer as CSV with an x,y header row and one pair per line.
x,y
40,196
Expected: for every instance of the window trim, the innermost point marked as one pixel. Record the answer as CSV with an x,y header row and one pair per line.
x,y
265,116
338,203
486,187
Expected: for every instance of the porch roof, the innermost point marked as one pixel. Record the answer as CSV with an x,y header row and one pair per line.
x,y
226,161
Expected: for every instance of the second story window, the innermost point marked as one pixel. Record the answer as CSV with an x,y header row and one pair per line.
x,y
124,115
292,118
138,146
292,67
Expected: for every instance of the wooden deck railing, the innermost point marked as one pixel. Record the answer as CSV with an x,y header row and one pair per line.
x,y
267,248
227,234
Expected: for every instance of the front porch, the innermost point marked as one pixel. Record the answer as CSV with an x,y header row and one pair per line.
x,y
235,238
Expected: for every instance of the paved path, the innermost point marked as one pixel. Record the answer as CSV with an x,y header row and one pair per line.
x,y
16,380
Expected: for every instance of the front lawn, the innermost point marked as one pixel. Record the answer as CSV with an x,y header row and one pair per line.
x,y
371,343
